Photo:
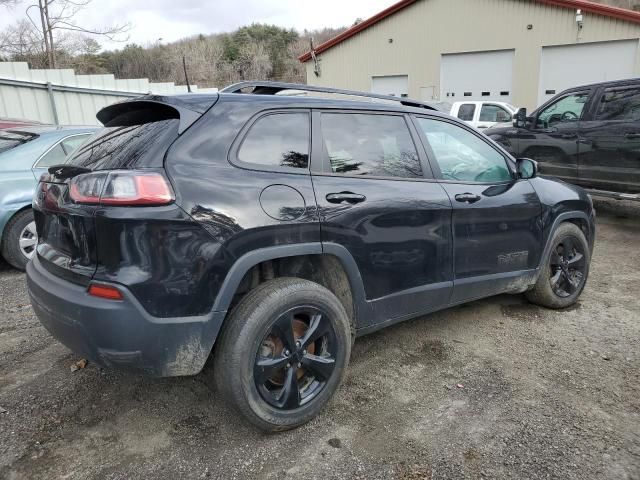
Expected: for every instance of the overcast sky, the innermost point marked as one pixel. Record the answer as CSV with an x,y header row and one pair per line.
x,y
174,19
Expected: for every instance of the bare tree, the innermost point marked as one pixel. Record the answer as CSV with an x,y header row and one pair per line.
x,y
21,41
55,17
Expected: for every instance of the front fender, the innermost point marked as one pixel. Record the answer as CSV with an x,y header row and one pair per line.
x,y
562,202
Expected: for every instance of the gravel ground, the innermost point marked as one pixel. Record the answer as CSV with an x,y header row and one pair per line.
x,y
494,389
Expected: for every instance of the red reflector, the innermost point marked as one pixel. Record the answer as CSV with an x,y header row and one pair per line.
x,y
105,291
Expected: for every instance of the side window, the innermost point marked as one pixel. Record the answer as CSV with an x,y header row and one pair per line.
x,y
54,156
277,140
466,112
463,156
567,109
71,143
366,144
620,105
494,113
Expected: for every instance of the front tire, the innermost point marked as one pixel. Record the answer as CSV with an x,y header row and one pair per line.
x,y
20,239
565,270
283,353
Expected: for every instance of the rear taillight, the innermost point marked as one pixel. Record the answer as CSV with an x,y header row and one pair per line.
x,y
126,188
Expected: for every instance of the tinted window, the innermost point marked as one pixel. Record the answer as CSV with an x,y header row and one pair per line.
x,y
620,105
494,113
567,109
55,156
463,156
137,138
466,112
278,140
376,145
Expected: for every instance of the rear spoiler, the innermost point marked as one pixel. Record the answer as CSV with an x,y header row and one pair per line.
x,y
189,108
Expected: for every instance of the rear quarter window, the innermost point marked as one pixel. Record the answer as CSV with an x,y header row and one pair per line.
x,y
277,140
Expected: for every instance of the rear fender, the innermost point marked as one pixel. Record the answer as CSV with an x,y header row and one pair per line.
x,y
253,258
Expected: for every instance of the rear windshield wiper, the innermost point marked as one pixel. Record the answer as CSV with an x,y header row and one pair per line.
x,y
63,171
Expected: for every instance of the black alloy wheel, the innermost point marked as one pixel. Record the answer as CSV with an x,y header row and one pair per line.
x,y
567,267
283,352
296,358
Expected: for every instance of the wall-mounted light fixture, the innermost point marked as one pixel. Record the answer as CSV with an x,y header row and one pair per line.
x,y
579,18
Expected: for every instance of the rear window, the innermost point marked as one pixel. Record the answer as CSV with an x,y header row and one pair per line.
x,y
9,139
466,112
137,138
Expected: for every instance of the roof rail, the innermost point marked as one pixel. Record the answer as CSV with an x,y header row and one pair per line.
x,y
272,88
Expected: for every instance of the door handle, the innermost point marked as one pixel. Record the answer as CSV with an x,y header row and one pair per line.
x,y
348,197
632,135
568,136
467,197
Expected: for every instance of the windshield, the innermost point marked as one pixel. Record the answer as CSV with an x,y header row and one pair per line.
x,y
10,139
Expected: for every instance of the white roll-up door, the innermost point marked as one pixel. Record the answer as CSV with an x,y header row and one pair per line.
x,y
567,66
477,76
396,85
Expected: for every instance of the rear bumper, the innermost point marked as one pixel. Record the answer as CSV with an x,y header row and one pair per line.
x,y
120,334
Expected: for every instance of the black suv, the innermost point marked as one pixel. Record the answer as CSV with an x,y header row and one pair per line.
x,y
589,136
270,230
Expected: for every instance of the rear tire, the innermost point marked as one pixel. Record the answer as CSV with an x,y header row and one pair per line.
x,y
267,363
21,228
564,273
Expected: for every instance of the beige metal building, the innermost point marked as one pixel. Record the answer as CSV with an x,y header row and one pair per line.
x,y
518,51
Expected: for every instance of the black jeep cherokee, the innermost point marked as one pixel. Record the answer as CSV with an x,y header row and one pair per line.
x,y
271,230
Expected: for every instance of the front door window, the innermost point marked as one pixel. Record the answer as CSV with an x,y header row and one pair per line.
x,y
566,110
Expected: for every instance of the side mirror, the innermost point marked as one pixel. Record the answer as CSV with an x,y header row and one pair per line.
x,y
526,168
520,118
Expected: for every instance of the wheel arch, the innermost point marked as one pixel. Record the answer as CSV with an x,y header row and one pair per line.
x,y
8,219
578,218
331,265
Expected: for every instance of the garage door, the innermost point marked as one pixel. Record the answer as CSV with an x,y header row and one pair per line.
x,y
569,66
476,76
396,85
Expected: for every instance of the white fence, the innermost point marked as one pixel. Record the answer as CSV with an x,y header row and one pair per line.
x,y
63,98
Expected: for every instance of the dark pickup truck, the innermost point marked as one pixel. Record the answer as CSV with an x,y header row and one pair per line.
x,y
588,135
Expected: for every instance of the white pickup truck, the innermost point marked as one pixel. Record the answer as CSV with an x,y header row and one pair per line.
x,y
483,114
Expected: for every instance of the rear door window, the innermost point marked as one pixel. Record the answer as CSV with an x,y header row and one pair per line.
x,y
466,112
369,145
620,104
277,140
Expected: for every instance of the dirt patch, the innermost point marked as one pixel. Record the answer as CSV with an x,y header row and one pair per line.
x,y
523,311
494,389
